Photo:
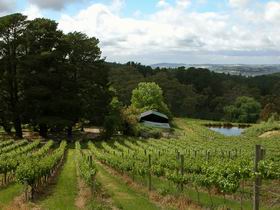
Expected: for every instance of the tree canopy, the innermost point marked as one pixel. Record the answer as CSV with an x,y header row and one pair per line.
x,y
149,96
244,110
49,79
197,92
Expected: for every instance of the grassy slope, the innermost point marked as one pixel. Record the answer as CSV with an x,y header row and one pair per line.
x,y
9,193
64,193
122,196
261,128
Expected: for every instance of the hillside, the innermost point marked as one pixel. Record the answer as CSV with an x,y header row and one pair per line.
x,y
194,169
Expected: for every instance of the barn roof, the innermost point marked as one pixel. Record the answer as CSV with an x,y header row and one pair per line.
x,y
144,114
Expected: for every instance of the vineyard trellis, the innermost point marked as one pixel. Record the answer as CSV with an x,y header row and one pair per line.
x,y
204,169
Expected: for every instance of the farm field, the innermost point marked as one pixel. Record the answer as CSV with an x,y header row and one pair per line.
x,y
194,169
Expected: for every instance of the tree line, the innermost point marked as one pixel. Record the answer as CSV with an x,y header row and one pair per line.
x,y
201,93
48,79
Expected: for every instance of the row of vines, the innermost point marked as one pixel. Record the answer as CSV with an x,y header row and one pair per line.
x,y
183,164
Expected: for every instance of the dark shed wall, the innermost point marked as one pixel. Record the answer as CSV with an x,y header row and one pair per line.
x,y
154,118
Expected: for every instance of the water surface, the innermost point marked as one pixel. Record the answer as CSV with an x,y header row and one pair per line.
x,y
228,131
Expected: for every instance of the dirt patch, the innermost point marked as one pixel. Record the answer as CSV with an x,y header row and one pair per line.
x,y
84,195
269,134
19,203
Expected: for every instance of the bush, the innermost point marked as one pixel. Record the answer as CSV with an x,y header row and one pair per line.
x,y
148,132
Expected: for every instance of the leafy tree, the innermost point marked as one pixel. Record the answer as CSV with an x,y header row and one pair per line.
x,y
269,110
149,96
244,110
90,75
12,28
113,120
44,76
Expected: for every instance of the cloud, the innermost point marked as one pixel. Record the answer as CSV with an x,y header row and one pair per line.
x,y
272,11
51,4
7,5
173,33
183,3
162,4
239,3
32,12
117,5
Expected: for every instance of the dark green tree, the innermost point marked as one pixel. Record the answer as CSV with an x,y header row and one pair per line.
x,y
244,110
90,75
46,82
12,28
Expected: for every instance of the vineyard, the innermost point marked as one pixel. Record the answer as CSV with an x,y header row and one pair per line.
x,y
203,167
201,160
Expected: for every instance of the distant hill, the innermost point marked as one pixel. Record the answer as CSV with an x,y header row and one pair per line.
x,y
167,65
233,69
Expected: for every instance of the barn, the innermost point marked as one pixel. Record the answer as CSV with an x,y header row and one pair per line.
x,y
154,119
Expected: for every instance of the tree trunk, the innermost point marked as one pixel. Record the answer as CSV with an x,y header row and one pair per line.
x,y
82,128
17,125
43,130
69,132
7,128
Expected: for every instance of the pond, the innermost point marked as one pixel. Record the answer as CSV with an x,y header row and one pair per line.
x,y
228,131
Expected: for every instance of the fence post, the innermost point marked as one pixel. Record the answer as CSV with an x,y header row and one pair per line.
x,y
257,182
182,171
208,156
150,175
262,154
90,161
26,190
178,159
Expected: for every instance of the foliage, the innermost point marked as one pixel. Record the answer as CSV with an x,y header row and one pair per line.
x,y
34,168
147,132
268,111
223,169
149,96
195,92
130,116
9,161
113,121
11,54
225,177
86,167
244,110
56,79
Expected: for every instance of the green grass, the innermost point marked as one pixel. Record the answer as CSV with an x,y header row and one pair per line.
x,y
261,128
9,193
65,191
123,196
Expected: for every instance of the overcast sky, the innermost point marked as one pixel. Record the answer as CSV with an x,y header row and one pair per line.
x,y
177,31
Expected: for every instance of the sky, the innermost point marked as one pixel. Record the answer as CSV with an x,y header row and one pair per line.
x,y
168,31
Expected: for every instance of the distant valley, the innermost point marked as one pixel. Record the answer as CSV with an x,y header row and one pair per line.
x,y
233,69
